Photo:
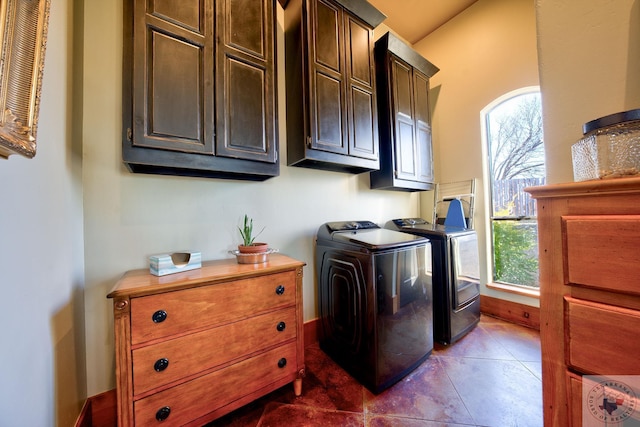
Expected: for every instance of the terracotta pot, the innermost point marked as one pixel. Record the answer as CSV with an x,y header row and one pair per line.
x,y
254,248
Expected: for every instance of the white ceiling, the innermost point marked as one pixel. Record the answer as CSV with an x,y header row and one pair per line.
x,y
414,19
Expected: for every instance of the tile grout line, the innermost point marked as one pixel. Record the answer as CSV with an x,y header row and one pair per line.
x,y
456,389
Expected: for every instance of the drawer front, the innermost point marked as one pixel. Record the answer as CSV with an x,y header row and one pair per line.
x,y
196,308
602,339
603,251
198,397
186,356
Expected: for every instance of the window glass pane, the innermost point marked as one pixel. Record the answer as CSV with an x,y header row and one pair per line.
x,y
515,252
516,161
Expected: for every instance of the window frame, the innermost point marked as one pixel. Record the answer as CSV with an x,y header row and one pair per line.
x,y
523,290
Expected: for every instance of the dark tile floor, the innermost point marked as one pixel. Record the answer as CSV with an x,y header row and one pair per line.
x,y
491,377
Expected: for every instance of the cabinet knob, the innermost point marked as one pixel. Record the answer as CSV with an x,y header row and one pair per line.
x,y
280,290
282,363
161,364
280,327
159,316
163,413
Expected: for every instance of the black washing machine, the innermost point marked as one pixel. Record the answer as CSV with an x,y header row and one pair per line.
x,y
456,276
375,300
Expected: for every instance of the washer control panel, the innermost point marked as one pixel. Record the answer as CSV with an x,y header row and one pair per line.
x,y
350,225
409,222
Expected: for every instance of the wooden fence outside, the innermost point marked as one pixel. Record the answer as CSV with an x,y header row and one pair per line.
x,y
509,194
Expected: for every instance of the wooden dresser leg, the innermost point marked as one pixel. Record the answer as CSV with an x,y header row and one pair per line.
x,y
297,383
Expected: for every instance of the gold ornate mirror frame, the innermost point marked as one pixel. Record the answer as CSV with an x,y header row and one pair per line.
x,y
23,38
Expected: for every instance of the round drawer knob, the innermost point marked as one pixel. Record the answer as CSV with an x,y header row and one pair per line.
x,y
163,413
161,364
280,290
282,363
280,327
159,316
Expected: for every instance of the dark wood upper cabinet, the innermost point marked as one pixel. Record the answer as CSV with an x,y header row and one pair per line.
x,y
406,153
331,100
200,88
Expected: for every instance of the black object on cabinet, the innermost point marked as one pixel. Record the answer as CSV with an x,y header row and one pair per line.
x,y
330,73
199,88
406,154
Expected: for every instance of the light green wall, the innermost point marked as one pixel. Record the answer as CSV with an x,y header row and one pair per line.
x,y
43,380
486,51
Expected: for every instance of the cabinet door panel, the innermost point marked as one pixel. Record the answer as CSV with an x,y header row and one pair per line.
x,y
423,131
405,150
364,132
421,85
245,105
359,38
327,100
188,14
363,127
245,112
170,100
246,28
175,90
402,96
425,153
405,138
327,37
329,114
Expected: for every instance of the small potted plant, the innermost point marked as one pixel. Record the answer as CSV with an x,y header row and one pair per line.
x,y
249,246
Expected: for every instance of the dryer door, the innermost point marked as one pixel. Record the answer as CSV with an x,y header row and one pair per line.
x,y
465,268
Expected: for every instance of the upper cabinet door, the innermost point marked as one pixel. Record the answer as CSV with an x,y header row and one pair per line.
x,y
363,128
405,129
424,146
173,75
327,96
245,78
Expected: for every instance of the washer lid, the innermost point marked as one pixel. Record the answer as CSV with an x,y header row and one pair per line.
x,y
423,228
377,239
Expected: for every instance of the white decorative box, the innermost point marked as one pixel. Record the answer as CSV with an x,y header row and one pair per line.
x,y
176,262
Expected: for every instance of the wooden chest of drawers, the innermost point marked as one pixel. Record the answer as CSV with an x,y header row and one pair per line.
x,y
589,246
193,346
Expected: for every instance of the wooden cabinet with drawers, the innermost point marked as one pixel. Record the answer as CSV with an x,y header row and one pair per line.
x,y
589,246
193,346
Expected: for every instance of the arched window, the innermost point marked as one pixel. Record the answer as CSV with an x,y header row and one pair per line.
x,y
515,160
